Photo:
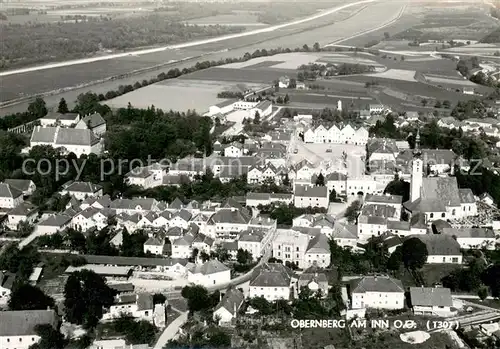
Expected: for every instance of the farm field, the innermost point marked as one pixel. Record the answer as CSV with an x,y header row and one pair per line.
x,y
449,81
36,82
247,19
176,94
238,75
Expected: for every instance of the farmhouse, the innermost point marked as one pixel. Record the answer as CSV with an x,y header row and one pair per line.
x,y
24,212
272,281
69,140
82,190
138,306
53,224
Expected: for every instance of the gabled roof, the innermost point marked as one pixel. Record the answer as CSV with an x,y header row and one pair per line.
x,y
232,301
183,214
7,191
7,279
464,232
19,184
176,204
133,261
230,215
210,267
57,220
23,322
384,199
466,196
308,191
94,120
431,296
83,187
152,241
272,275
439,244
60,116
344,231
24,209
376,284
318,244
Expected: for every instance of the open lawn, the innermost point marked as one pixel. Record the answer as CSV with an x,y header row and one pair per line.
x,y
439,80
176,94
395,74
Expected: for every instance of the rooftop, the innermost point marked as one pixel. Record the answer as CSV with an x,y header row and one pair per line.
x,y
431,296
376,284
23,323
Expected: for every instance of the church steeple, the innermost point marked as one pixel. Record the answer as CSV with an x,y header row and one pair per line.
x,y
416,150
417,170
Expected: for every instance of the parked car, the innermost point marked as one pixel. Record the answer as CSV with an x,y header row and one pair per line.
x,y
329,150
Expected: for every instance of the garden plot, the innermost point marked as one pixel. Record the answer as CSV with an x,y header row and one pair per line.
x,y
396,74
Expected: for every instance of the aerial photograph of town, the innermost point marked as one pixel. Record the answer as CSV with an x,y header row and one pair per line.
x,y
249,174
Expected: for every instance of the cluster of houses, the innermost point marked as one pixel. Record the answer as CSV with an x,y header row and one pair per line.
x,y
244,109
488,126
71,133
339,134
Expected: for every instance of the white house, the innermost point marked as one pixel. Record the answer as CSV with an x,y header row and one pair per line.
x,y
379,292
263,109
58,119
82,190
318,252
146,177
291,246
472,238
283,82
26,186
441,249
273,281
233,150
6,282
10,197
307,196
338,134
434,301
154,246
68,140
256,199
255,241
93,122
53,224
376,108
25,212
139,306
228,307
210,274
18,328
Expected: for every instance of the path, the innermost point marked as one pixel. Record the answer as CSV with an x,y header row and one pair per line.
x,y
188,44
171,330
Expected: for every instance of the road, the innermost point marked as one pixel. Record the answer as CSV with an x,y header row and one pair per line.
x,y
71,80
171,331
187,44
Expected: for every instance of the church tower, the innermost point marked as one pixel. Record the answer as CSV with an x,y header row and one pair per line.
x,y
417,170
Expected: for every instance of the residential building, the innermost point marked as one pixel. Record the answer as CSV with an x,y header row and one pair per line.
x,y
58,119
6,283
283,82
210,274
264,199
339,134
54,224
10,197
234,150
227,309
68,140
154,246
318,252
376,108
25,212
315,280
139,306
395,201
273,281
93,122
256,241
345,235
434,301
291,246
146,177
378,292
226,223
441,249
26,186
263,109
307,196
472,238
82,190
18,328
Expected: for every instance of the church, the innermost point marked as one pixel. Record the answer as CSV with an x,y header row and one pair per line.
x,y
437,197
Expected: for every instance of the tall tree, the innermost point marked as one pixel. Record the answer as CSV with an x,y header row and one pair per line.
x,y
37,108
63,106
86,294
50,338
27,297
414,253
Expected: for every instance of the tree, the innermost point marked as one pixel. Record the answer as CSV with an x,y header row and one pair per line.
x,y
424,102
136,332
63,107
352,212
316,47
438,105
256,119
27,297
50,338
159,298
286,99
446,104
395,259
414,253
320,180
37,108
305,47
482,293
293,83
491,278
204,256
19,261
197,298
333,196
244,256
386,35
86,294
398,187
